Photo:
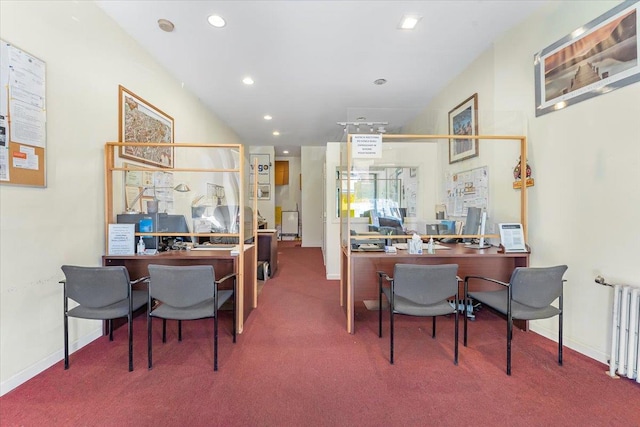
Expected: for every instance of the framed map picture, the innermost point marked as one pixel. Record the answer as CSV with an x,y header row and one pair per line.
x,y
140,121
463,120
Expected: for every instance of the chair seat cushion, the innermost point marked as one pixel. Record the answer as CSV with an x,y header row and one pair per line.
x,y
113,311
498,301
201,310
406,306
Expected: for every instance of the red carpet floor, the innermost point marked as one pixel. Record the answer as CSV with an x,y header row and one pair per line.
x,y
295,365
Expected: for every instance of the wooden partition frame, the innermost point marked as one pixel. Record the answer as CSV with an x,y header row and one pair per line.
x,y
110,154
347,291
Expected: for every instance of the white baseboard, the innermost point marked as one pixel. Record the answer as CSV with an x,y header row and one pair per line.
x,y
573,345
333,276
33,370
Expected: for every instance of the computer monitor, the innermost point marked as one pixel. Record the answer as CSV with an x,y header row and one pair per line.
x,y
472,223
225,220
373,215
391,225
150,242
168,223
391,222
157,223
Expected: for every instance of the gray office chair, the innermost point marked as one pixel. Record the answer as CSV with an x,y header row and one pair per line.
x,y
102,293
528,296
187,293
419,290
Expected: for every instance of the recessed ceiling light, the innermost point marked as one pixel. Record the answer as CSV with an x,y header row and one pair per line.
x,y
247,81
276,133
409,22
285,152
217,21
268,117
165,25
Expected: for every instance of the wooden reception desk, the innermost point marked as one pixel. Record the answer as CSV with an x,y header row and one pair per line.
x,y
223,263
359,281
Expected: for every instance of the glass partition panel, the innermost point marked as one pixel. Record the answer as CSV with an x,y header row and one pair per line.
x,y
195,202
414,186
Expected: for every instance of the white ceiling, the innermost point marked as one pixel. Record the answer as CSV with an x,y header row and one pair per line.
x,y
314,62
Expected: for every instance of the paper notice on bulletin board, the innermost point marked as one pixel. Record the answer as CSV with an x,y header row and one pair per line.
x,y
467,189
23,117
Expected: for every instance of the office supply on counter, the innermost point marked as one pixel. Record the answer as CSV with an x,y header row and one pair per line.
x,y
425,246
512,237
121,239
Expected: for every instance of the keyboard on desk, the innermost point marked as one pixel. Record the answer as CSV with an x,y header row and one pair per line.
x,y
214,246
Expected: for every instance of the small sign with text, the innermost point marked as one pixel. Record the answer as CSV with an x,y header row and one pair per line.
x,y
367,146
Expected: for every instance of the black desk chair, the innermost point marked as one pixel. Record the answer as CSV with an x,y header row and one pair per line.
x,y
187,293
102,293
419,290
528,296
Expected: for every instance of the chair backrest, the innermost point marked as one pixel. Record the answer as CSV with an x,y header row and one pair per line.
x,y
537,287
96,286
181,286
425,284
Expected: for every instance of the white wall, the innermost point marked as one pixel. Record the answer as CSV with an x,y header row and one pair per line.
x,y
87,57
332,225
586,165
312,164
288,197
267,207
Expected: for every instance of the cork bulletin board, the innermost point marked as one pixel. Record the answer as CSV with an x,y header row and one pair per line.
x,y
23,118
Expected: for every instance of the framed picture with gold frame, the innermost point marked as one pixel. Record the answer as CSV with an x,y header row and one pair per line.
x,y
140,121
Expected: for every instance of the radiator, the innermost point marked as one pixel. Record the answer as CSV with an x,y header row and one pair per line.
x,y
625,342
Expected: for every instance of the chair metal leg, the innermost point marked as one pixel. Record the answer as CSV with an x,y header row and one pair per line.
x,y
509,333
215,341
66,341
560,332
110,326
433,329
179,330
234,318
391,335
164,330
149,327
467,302
380,309
455,335
130,329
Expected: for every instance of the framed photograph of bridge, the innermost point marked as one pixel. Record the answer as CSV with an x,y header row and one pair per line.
x,y
597,58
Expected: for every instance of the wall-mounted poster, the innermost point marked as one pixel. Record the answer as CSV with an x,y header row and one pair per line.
x,y
599,57
141,122
264,176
